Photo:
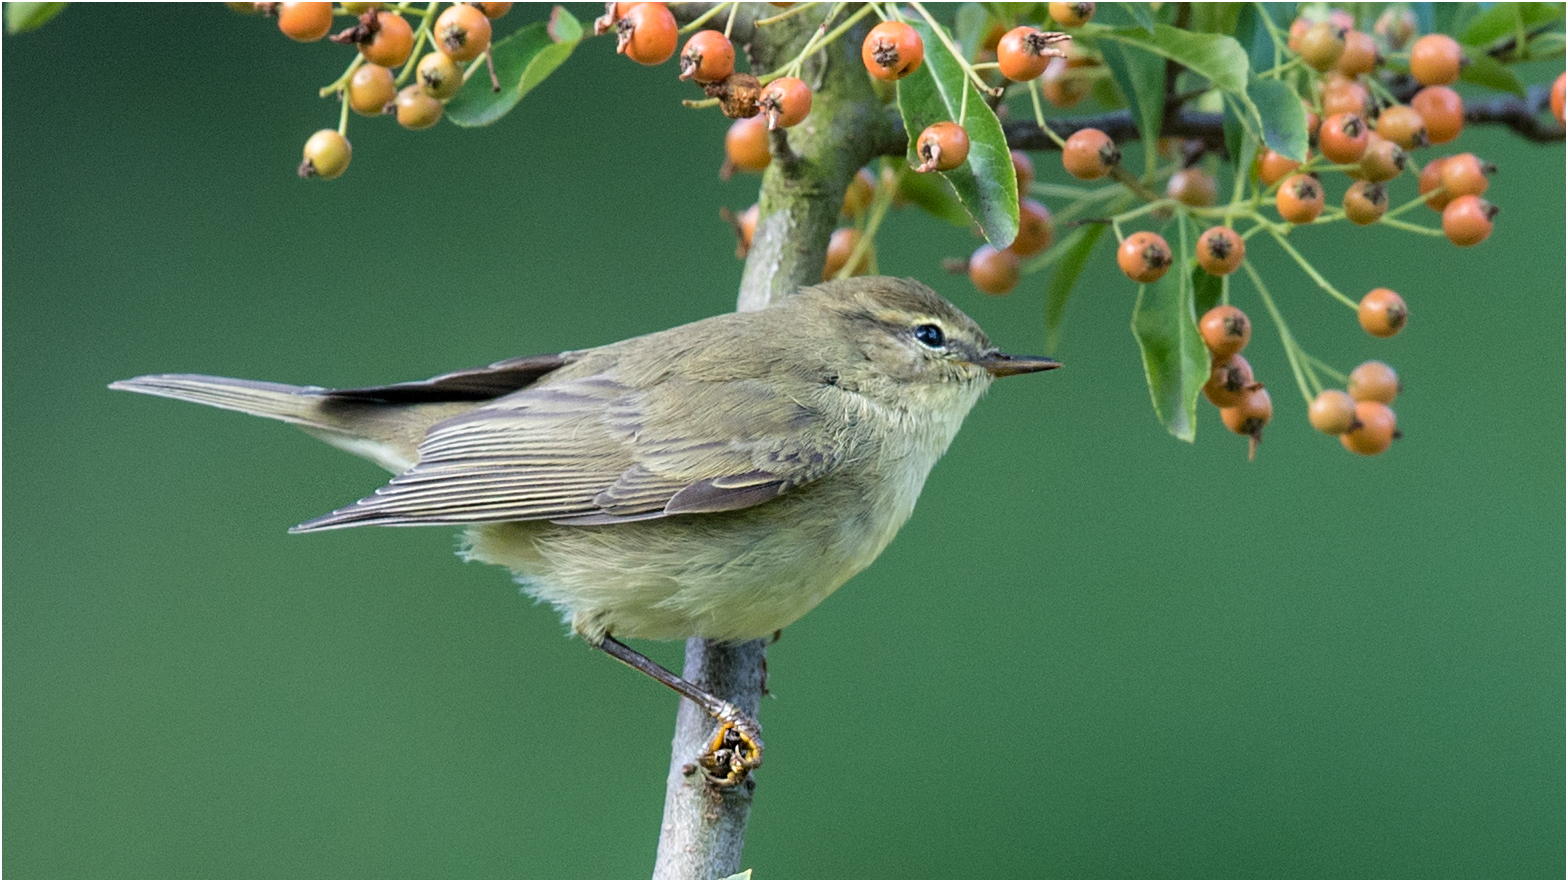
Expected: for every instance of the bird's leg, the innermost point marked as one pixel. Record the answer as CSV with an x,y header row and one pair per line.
x,y
736,747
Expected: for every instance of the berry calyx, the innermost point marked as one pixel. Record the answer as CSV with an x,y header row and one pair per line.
x,y
1343,138
1468,220
746,144
1071,15
1442,110
1221,251
1333,412
1382,313
709,56
1089,154
462,32
305,22
327,155
1436,59
439,76
786,101
1229,380
1144,257
646,34
1374,430
415,109
1299,199
1365,202
892,51
1373,381
370,90
1034,229
942,146
993,271
1225,331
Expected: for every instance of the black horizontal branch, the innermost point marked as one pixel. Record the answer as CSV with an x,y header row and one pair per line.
x,y
1197,125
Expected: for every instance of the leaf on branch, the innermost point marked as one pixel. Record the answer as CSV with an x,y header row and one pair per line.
x,y
1141,77
1502,19
1215,57
985,184
1282,122
1140,13
522,61
22,17
1174,358
1076,250
970,23
1484,70
931,193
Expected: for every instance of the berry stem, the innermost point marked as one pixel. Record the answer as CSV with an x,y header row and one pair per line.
x,y
341,83
941,34
729,23
1039,115
421,36
717,8
1419,200
815,44
343,116
1311,271
1410,227
797,9
1130,181
1285,338
879,206
1326,368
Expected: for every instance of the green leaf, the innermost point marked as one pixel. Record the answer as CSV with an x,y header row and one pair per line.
x,y
985,184
1215,57
1502,21
1174,358
522,61
1075,253
969,27
1140,13
1280,116
1141,77
1218,18
1484,70
23,17
934,195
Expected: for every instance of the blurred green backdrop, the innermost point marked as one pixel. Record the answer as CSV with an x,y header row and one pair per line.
x,y
1094,651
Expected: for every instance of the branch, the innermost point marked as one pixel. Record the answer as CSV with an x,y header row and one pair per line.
x,y
802,191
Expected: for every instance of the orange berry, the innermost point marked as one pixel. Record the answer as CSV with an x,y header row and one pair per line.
x,y
1221,251
1023,169
1360,55
1144,257
646,35
1298,29
1374,381
1374,429
1299,199
391,43
1365,202
1383,161
1192,186
1403,125
439,76
1034,229
462,32
993,271
785,102
1018,54
1071,15
1061,86
1465,175
370,90
1228,381
840,247
892,51
1322,45
746,144
327,155
493,11
1225,331
1558,87
1442,110
1271,167
1089,154
1396,25
1333,412
1435,60
746,227
709,56
857,197
1343,94
1343,138
305,22
1382,313
416,109
1468,220
1250,416
942,146
1431,179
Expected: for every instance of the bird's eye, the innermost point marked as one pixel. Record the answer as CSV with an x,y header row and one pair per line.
x,y
930,335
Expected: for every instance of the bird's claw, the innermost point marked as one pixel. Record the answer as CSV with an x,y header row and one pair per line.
x,y
735,750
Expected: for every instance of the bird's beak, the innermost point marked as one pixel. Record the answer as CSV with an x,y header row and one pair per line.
x,y
1003,365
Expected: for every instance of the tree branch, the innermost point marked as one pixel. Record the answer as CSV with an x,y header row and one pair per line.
x,y
704,828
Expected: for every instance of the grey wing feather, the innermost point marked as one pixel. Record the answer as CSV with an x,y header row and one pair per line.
x,y
592,451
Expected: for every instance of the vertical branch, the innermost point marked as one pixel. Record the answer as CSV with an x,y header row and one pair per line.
x,y
802,191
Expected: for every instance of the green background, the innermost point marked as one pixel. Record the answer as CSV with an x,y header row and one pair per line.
x,y
1094,651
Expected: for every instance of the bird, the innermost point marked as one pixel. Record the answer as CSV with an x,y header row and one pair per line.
x,y
715,480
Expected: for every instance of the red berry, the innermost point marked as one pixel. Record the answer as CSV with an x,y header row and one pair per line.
x,y
785,102
709,56
1343,138
1272,166
1089,154
1468,220
942,146
746,144
892,51
1020,54
1464,175
1558,87
1442,110
1144,257
1431,178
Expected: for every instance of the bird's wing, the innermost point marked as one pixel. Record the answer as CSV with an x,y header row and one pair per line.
x,y
473,384
591,450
